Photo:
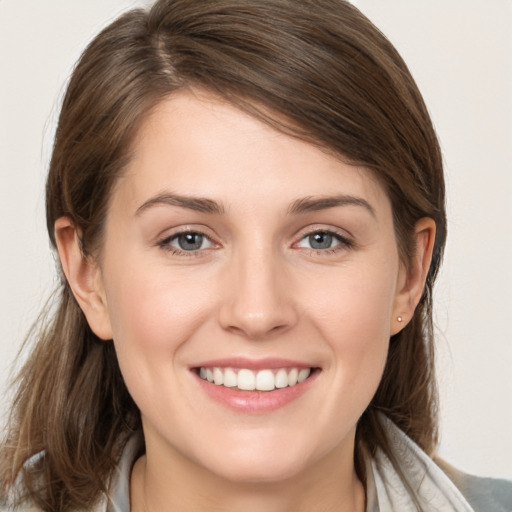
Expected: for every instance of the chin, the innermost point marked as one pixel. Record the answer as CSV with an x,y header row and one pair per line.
x,y
259,463
259,472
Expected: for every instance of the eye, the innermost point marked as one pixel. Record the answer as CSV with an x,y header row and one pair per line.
x,y
320,240
187,242
323,241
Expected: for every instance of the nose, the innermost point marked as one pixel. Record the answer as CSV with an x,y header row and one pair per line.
x,y
257,302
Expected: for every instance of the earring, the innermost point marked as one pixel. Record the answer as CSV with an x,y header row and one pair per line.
x,y
400,319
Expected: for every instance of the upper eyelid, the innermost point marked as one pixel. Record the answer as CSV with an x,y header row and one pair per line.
x,y
338,232
168,244
179,233
172,233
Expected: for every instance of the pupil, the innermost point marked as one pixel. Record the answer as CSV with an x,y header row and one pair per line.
x,y
190,241
320,240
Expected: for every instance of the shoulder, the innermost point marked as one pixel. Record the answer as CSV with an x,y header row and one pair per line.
x,y
483,494
117,499
435,481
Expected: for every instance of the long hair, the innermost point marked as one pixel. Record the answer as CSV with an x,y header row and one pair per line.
x,y
314,69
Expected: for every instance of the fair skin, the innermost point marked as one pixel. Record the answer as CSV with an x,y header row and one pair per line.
x,y
271,274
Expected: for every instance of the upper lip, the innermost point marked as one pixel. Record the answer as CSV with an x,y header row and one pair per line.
x,y
252,364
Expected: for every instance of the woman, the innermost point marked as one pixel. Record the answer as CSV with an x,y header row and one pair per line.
x,y
247,200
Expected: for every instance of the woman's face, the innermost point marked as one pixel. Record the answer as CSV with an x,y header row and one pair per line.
x,y
238,253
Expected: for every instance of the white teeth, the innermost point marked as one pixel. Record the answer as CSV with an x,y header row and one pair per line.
x,y
265,380
303,374
230,379
247,380
218,376
292,377
281,379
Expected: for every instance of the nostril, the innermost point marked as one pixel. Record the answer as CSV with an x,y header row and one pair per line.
x,y
257,325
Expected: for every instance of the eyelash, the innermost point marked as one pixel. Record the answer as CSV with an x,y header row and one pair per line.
x,y
165,243
343,243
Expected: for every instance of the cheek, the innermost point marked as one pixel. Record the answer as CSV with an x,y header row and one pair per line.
x,y
353,307
152,315
352,313
152,307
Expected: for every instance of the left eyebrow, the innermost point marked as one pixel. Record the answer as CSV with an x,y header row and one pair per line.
x,y
198,204
313,204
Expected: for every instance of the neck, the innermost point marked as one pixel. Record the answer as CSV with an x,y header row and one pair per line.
x,y
331,485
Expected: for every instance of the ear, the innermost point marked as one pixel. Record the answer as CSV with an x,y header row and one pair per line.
x,y
411,281
84,277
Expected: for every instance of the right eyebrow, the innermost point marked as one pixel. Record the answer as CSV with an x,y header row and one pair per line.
x,y
312,204
198,204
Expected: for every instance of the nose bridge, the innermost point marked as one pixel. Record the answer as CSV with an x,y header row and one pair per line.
x,y
257,302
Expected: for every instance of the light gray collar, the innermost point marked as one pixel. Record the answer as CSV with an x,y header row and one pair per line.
x,y
387,491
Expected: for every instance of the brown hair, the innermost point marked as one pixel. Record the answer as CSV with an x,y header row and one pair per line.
x,y
337,82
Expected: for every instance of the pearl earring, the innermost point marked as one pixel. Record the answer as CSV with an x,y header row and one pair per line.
x,y
400,319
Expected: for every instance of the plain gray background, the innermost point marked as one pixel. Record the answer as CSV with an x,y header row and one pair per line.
x,y
460,54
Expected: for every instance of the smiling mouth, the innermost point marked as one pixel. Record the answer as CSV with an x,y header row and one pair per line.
x,y
245,379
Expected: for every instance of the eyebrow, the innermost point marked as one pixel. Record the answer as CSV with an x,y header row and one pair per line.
x,y
313,204
198,204
303,205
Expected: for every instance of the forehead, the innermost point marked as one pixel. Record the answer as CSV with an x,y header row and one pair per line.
x,y
195,143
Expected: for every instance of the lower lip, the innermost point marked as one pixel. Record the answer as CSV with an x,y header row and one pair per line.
x,y
256,402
